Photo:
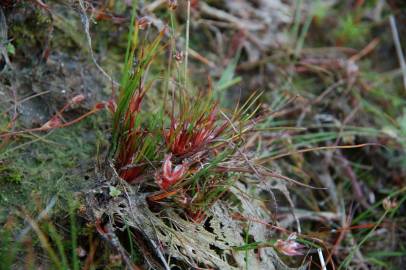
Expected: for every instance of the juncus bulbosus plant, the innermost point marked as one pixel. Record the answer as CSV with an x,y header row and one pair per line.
x,y
173,155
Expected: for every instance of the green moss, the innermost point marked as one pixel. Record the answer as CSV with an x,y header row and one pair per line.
x,y
10,175
351,32
57,163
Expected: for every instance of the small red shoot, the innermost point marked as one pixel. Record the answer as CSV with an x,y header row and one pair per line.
x,y
185,137
170,176
289,247
53,123
77,99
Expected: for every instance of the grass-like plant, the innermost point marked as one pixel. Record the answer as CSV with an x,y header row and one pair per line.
x,y
174,154
131,145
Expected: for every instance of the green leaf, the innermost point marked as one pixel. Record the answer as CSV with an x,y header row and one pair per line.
x,y
10,49
114,192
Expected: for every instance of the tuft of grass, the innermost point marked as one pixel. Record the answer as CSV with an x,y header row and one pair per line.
x,y
129,143
177,153
350,31
10,175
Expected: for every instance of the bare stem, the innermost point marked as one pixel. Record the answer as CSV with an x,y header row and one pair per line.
x,y
398,46
187,41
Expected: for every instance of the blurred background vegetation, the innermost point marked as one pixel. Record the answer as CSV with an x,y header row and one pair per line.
x,y
330,71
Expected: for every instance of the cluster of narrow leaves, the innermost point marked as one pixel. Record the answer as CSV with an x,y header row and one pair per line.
x,y
174,155
131,143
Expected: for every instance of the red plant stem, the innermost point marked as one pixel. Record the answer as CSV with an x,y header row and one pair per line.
x,y
94,110
162,195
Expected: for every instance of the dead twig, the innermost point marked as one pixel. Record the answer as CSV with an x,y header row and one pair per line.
x,y
154,5
3,40
356,186
43,239
41,216
85,22
222,15
268,159
90,256
109,236
398,47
